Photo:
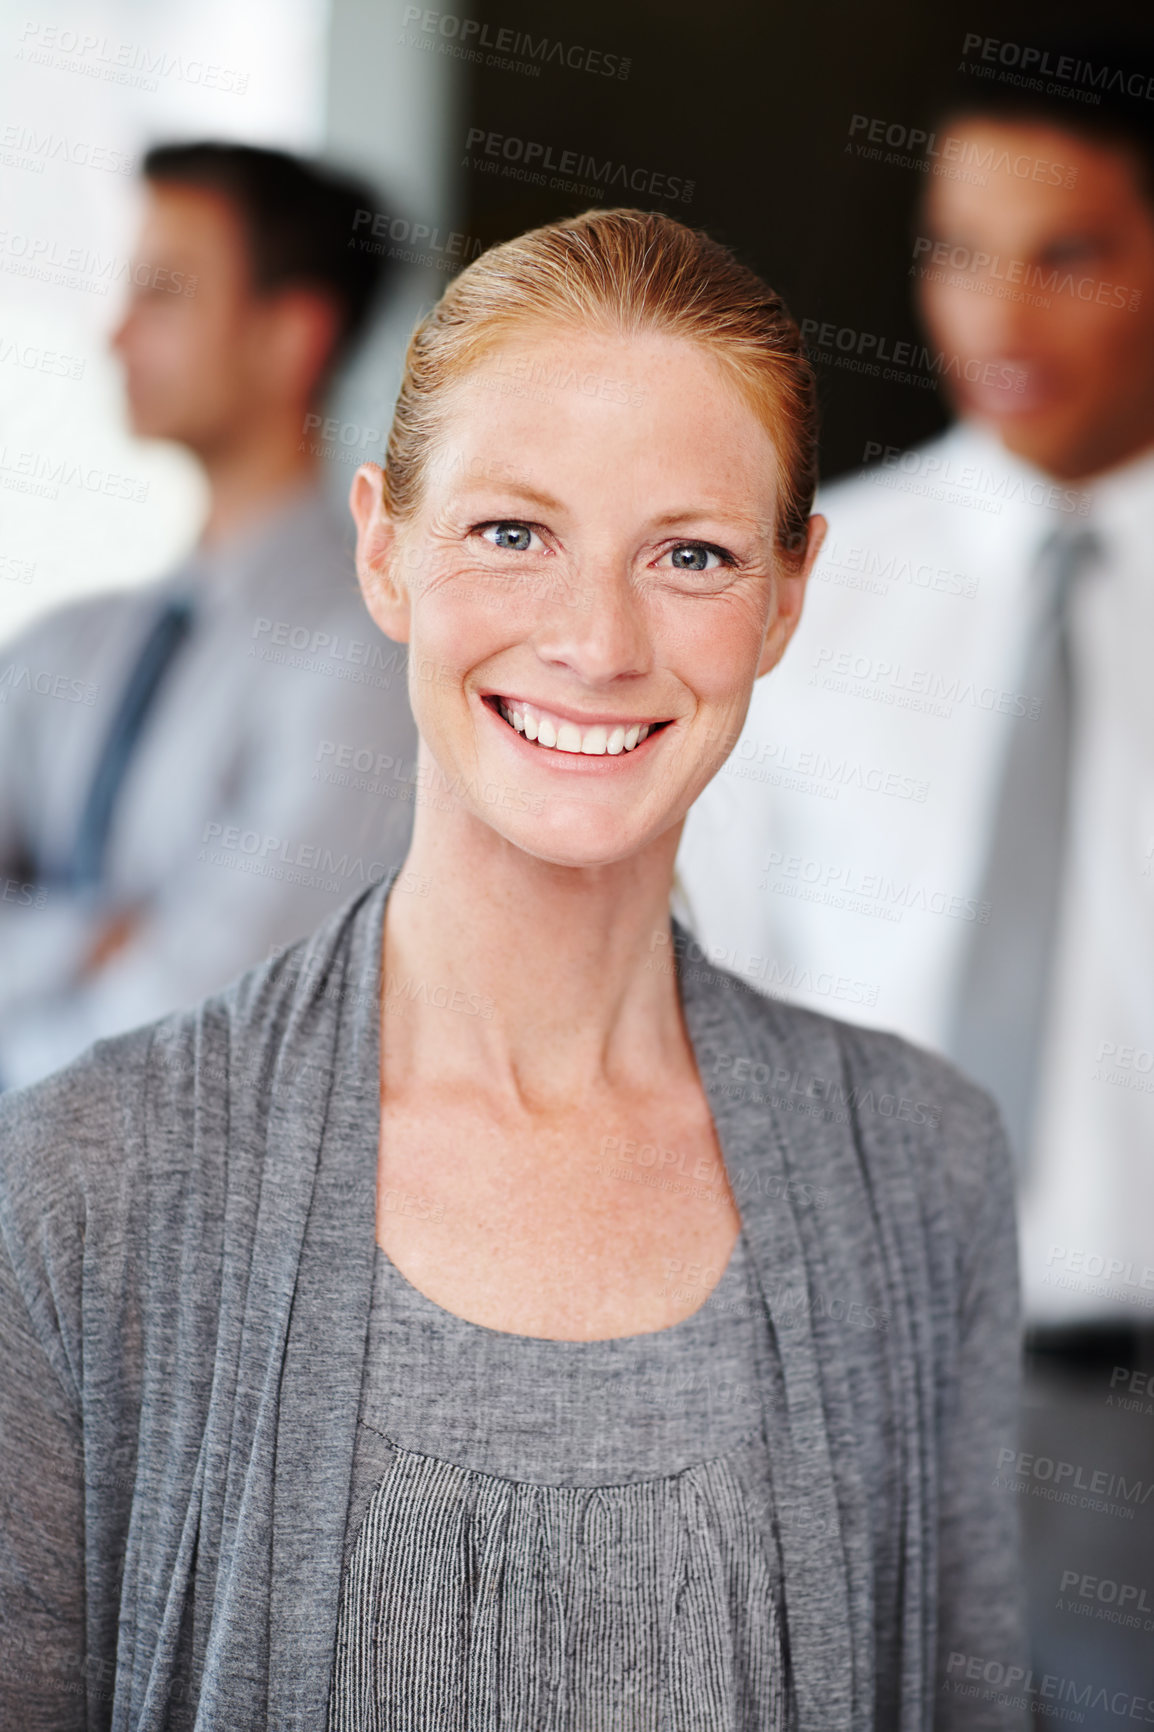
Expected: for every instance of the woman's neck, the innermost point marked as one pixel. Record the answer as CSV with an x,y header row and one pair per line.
x,y
538,984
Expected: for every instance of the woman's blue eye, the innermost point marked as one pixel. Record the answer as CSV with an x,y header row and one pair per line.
x,y
693,556
518,536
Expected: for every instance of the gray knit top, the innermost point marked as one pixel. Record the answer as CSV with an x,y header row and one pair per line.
x,y
186,1282
562,1534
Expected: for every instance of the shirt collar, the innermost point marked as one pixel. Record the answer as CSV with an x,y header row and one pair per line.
x,y
1119,501
1124,498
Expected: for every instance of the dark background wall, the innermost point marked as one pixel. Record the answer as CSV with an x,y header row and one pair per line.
x,y
754,105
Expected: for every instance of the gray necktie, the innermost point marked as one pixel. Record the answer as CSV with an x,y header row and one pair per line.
x,y
1001,1009
168,631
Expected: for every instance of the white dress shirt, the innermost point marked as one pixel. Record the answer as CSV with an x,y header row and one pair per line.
x,y
837,859
272,777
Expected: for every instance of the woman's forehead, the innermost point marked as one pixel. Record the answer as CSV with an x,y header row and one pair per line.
x,y
546,416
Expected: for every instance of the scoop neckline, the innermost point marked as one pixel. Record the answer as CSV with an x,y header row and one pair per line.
x,y
701,1311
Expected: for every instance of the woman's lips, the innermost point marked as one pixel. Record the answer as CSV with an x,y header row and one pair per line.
x,y
597,738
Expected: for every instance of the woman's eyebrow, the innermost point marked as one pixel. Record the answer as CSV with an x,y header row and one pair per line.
x,y
527,493
718,513
514,490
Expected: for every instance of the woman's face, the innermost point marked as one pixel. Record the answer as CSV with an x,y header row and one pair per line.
x,y
588,590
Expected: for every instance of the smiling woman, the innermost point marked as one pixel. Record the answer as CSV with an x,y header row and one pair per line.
x,y
652,1400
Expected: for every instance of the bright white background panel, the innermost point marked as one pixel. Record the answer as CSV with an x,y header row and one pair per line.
x,y
85,88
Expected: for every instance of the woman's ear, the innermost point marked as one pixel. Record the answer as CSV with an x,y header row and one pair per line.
x,y
789,593
386,596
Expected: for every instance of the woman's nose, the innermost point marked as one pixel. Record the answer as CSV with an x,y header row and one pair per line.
x,y
598,626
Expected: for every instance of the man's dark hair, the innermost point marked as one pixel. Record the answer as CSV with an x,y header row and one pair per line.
x,y
1100,97
298,218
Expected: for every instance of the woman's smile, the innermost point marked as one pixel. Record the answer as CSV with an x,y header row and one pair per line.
x,y
565,735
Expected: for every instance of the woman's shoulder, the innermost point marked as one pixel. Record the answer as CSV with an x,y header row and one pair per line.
x,y
145,1099
82,1117
907,1111
874,1056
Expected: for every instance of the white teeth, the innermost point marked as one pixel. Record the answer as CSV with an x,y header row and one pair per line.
x,y
600,739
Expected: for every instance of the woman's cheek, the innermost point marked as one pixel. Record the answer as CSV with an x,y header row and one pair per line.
x,y
456,616
715,653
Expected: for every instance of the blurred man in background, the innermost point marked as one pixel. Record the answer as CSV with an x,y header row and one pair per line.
x,y
978,873
186,810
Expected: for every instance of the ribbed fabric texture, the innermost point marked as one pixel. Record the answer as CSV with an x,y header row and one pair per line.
x,y
474,1604
561,1536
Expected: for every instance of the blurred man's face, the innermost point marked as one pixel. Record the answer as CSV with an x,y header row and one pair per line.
x,y
194,339
1048,292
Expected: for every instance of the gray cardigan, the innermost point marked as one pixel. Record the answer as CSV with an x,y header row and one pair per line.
x,y
186,1256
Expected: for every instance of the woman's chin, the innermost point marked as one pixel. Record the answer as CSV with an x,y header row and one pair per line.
x,y
582,841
